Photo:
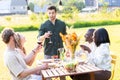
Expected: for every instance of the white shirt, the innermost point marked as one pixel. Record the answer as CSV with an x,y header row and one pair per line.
x,y
92,47
101,57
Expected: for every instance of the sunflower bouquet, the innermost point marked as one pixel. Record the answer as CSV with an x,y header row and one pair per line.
x,y
71,41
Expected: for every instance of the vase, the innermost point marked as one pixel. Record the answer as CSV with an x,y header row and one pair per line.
x,y
72,55
69,55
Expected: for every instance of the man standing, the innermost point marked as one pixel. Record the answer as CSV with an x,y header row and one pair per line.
x,y
49,31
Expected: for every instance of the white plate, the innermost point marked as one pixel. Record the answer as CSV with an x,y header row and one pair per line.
x,y
47,61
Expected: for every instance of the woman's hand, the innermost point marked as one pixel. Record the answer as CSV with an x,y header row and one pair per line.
x,y
85,48
37,48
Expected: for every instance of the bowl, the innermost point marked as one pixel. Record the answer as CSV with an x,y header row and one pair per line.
x,y
70,66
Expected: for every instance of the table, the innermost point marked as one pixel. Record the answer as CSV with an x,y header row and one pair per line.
x,y
61,71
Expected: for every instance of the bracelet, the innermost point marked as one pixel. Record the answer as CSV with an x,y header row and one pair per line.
x,y
33,52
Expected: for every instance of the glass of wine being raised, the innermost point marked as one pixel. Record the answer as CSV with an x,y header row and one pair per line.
x,y
50,34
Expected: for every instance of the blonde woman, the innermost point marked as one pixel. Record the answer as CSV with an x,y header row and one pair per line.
x,y
16,63
19,42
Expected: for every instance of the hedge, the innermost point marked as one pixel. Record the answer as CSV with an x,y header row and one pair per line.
x,y
77,24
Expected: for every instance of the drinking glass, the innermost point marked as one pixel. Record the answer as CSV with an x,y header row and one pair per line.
x,y
61,51
50,34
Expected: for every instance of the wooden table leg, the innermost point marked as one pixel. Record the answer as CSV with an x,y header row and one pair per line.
x,y
92,77
43,78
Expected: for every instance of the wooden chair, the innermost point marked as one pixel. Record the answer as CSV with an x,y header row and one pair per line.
x,y
113,62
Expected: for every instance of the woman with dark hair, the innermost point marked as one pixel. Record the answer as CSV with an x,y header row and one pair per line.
x,y
100,57
101,36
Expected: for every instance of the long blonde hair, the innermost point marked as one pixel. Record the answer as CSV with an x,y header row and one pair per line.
x,y
18,44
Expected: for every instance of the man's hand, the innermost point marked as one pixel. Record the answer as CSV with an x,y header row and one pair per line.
x,y
47,34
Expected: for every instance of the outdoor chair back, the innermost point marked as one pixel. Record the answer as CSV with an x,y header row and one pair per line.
x,y
113,62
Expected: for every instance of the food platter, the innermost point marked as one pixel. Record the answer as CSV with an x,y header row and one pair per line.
x,y
52,63
40,62
70,66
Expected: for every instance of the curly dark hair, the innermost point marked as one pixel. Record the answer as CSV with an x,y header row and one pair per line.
x,y
51,7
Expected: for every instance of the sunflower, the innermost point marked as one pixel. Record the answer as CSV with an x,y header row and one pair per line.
x,y
71,41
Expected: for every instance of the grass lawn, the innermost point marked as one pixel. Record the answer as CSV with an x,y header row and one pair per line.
x,y
31,37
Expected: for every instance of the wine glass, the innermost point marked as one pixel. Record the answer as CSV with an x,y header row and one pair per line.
x,y
40,43
50,34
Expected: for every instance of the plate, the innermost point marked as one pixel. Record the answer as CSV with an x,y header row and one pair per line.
x,y
40,62
56,60
47,61
52,65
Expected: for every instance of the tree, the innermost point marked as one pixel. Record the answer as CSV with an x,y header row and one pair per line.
x,y
31,6
69,5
